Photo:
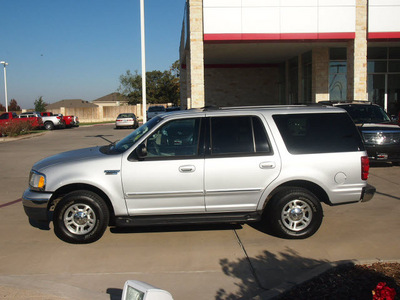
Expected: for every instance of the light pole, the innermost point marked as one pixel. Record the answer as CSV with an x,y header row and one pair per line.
x,y
144,104
5,82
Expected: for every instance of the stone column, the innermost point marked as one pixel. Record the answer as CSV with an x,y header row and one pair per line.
x,y
196,56
360,52
320,74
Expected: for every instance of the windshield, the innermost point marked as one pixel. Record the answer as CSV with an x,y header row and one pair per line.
x,y
157,108
367,114
132,138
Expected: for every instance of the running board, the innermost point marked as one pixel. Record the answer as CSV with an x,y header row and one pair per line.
x,y
242,217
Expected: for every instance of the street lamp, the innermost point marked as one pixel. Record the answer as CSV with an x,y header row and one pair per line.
x,y
144,104
5,82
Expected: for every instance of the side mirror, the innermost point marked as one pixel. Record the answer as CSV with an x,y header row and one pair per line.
x,y
141,151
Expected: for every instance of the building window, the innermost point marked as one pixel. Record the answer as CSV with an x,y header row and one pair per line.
x,y
307,77
337,74
293,81
384,78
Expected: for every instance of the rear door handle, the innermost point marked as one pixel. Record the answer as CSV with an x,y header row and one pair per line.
x,y
187,169
267,165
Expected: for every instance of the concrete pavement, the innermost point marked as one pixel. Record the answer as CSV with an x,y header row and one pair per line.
x,y
200,262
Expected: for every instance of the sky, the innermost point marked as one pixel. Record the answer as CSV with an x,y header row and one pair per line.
x,y
78,49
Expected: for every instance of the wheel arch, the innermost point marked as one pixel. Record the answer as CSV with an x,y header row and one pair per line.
x,y
61,192
317,190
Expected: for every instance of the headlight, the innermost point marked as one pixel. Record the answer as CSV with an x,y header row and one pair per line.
x,y
37,181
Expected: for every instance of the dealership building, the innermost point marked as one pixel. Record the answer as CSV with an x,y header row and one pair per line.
x,y
258,52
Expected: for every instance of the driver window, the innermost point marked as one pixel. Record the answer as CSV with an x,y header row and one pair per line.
x,y
175,138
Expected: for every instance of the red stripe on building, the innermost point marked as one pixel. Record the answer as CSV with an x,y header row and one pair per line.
x,y
383,35
260,37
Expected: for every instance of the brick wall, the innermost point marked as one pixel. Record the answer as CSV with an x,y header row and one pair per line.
x,y
320,74
241,86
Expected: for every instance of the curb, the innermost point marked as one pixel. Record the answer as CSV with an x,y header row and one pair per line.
x,y
21,137
286,286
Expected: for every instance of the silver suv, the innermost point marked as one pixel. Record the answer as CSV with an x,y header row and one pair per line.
x,y
237,165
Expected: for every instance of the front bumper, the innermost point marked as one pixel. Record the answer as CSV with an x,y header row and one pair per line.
x,y
390,153
367,193
36,205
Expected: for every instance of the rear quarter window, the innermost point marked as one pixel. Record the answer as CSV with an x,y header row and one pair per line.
x,y
319,133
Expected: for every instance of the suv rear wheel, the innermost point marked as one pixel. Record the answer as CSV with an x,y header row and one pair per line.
x,y
81,217
294,213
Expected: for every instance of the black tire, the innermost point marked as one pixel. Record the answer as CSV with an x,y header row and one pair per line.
x,y
81,217
294,213
49,126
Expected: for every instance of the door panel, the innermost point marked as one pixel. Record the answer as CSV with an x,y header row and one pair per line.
x,y
240,165
164,187
236,183
168,178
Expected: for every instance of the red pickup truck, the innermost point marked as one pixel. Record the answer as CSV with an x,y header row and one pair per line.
x,y
7,119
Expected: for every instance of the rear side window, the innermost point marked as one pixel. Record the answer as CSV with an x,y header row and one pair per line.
x,y
238,135
319,133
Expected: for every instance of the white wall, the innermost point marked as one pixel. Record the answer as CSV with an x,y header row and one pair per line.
x,y
279,17
383,16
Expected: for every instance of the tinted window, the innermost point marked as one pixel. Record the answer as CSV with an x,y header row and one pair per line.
x,y
319,133
242,134
175,138
366,113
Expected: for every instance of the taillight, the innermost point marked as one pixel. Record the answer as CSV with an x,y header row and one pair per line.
x,y
364,167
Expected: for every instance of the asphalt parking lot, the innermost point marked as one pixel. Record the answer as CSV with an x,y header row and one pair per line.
x,y
196,262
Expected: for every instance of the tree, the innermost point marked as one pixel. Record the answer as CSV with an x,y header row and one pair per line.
x,y
40,105
2,108
161,87
14,106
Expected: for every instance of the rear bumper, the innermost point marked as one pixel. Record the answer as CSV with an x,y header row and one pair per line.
x,y
367,193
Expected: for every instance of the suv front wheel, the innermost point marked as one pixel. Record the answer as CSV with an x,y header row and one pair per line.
x,y
81,217
294,213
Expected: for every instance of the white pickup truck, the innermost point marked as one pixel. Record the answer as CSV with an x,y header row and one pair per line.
x,y
51,121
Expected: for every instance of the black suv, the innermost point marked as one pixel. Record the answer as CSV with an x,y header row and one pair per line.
x,y
381,135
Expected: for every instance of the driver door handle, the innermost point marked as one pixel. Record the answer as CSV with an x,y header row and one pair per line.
x,y
267,165
187,169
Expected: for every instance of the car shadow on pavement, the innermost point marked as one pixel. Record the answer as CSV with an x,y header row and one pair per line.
x,y
381,164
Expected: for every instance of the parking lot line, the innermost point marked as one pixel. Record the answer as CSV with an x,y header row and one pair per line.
x,y
10,203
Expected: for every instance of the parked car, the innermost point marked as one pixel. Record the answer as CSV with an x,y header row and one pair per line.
x,y
270,164
67,121
52,121
34,121
154,111
126,120
71,121
172,108
380,133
